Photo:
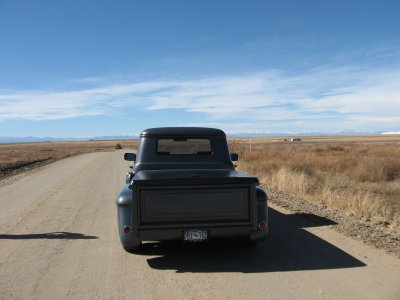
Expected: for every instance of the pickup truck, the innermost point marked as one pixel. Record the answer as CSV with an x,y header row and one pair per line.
x,y
183,186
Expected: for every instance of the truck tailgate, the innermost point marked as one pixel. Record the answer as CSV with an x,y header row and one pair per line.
x,y
194,205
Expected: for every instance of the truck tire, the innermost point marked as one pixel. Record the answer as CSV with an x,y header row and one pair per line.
x,y
246,242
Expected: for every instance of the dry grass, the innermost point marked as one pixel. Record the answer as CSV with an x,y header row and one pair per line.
x,y
15,157
361,178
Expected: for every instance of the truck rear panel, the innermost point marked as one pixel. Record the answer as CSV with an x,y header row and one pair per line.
x,y
194,205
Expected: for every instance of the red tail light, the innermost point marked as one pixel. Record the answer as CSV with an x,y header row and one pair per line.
x,y
263,225
127,229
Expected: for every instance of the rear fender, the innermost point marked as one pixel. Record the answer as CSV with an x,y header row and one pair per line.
x,y
124,198
130,241
262,204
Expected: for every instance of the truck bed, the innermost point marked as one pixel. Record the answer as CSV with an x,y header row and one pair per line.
x,y
187,177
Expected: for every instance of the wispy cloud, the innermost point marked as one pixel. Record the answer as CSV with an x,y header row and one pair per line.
x,y
343,98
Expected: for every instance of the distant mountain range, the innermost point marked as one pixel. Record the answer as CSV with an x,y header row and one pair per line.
x,y
31,139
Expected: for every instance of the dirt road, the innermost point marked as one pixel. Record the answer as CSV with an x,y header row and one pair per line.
x,y
58,239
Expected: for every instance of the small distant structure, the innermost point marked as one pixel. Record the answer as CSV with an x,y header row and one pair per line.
x,y
295,139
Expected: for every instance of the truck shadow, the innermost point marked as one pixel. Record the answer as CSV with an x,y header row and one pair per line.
x,y
49,235
288,248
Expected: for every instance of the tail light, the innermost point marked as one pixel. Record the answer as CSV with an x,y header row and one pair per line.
x,y
127,229
263,225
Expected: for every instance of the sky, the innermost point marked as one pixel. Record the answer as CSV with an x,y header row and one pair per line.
x,y
100,68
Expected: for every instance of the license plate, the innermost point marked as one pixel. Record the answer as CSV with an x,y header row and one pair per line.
x,y
195,235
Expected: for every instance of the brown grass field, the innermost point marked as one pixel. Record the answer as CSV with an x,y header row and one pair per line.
x,y
356,174
17,157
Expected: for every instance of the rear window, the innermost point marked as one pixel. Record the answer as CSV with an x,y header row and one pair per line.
x,y
176,146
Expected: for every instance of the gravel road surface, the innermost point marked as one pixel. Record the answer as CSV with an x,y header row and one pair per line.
x,y
58,239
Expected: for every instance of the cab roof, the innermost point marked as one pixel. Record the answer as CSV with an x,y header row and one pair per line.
x,y
182,131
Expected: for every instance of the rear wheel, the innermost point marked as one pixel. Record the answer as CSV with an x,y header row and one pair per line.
x,y
247,242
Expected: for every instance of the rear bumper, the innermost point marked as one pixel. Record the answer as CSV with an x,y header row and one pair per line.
x,y
177,234
132,240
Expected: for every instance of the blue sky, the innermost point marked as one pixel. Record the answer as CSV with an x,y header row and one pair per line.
x,y
90,68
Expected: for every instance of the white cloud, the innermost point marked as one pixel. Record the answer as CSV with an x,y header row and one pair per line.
x,y
341,97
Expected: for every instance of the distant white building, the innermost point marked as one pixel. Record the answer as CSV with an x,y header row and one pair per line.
x,y
295,139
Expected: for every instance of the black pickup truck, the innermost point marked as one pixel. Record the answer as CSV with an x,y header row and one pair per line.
x,y
184,186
